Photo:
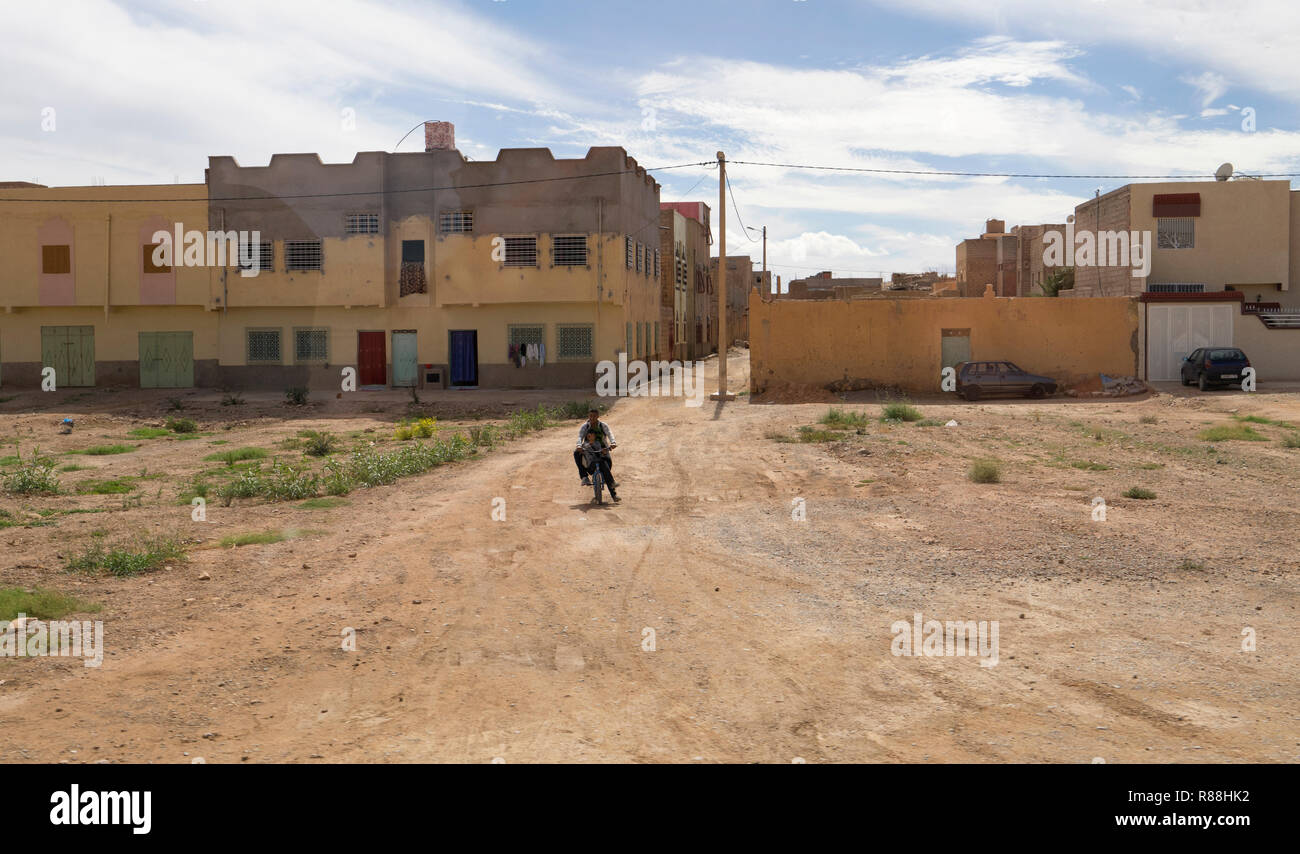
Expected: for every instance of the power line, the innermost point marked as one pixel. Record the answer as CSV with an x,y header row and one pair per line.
x,y
380,192
736,208
992,174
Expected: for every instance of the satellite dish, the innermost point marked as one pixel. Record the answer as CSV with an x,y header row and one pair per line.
x,y
1223,173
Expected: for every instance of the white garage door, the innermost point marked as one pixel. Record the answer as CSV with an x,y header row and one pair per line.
x,y
1174,331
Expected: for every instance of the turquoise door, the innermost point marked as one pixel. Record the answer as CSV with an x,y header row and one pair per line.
x,y
405,369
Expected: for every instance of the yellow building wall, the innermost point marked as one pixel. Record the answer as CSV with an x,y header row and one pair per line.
x,y
898,342
1243,235
107,236
351,274
116,336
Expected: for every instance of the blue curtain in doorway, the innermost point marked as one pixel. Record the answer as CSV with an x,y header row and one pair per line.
x,y
464,357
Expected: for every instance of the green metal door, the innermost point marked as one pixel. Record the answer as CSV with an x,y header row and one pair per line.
x,y
70,350
404,367
166,360
955,346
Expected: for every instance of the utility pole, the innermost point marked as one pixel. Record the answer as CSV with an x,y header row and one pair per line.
x,y
721,393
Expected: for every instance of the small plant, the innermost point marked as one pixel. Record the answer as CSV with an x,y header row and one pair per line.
x,y
1291,440
261,539
322,503
1232,432
236,456
105,450
296,396
778,437
425,428
232,399
1086,465
1189,565
986,471
1149,419
175,404
116,486
812,434
575,409
1140,493
319,443
486,436
148,433
40,604
836,417
32,477
128,559
900,411
404,432
182,425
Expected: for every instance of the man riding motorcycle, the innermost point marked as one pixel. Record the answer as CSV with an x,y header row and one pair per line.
x,y
597,435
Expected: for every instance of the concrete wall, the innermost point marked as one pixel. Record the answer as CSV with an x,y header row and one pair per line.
x,y
977,265
898,342
1274,353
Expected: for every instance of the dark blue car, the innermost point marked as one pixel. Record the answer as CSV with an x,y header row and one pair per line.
x,y
984,379
1214,366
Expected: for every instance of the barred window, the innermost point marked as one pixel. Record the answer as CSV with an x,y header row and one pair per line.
x,y
569,250
521,251
657,270
1175,288
1177,232
575,340
456,222
262,345
628,245
265,256
519,333
302,255
638,257
362,223
311,345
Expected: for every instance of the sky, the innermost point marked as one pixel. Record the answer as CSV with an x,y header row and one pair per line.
x,y
97,91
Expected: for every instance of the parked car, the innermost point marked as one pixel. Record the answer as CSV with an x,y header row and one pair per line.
x,y
1211,366
982,379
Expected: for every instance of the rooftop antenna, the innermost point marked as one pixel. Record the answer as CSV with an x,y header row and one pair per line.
x,y
1223,173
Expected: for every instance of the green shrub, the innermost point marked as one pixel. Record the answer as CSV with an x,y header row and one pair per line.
x,y
128,559
812,434
1291,440
1237,432
237,455
40,604
575,409
986,471
105,450
175,404
1149,419
900,411
32,477
487,436
261,539
319,443
116,486
1139,492
232,399
425,428
296,396
836,417
148,433
182,425
404,432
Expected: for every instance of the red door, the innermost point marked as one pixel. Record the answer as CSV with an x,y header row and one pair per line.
x,y
372,363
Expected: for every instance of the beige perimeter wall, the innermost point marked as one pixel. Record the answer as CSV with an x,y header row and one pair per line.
x,y
898,342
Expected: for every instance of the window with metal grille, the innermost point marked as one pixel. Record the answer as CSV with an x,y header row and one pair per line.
x,y
630,249
521,251
149,265
262,345
362,223
524,334
638,257
1175,288
302,255
569,250
311,345
657,270
265,256
575,340
56,259
456,222
1176,232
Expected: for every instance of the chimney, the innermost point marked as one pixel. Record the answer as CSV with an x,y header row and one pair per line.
x,y
439,136
995,226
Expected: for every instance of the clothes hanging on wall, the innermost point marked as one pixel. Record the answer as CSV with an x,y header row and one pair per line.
x,y
541,353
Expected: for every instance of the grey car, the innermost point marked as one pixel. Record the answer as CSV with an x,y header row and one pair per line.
x,y
985,379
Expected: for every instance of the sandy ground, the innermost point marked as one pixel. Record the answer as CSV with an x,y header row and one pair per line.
x,y
524,640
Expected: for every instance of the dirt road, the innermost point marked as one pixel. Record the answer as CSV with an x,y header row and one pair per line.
x,y
526,639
